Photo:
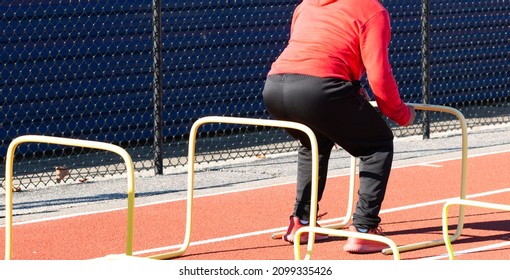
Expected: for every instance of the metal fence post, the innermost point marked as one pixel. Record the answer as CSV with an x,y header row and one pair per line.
x,y
158,87
425,31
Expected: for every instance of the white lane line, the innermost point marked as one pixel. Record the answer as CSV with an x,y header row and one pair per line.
x,y
430,165
472,250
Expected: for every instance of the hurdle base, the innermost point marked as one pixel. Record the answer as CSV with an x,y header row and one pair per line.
x,y
415,246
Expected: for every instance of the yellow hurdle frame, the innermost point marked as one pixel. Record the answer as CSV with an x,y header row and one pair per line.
x,y
464,202
336,229
191,168
463,178
68,142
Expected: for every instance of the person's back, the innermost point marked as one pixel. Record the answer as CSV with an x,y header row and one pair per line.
x,y
325,38
344,39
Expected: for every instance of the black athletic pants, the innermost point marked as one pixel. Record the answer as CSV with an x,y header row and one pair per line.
x,y
337,113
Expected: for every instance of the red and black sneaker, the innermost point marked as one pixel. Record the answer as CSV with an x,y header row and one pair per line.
x,y
296,224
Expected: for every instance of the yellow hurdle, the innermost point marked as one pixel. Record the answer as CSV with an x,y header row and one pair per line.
x,y
336,229
464,202
463,177
68,142
191,168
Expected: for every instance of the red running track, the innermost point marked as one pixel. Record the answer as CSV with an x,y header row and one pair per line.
x,y
238,225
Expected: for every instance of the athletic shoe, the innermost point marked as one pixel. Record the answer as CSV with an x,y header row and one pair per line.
x,y
296,224
364,246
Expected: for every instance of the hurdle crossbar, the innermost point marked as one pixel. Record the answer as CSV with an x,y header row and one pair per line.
x,y
463,202
67,142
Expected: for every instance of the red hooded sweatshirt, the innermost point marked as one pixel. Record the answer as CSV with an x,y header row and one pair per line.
x,y
344,39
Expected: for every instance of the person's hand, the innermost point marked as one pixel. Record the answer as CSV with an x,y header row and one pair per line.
x,y
412,117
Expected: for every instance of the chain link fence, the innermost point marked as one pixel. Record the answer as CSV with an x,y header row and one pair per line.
x,y
139,73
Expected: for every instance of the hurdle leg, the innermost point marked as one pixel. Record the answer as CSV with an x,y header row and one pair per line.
x,y
67,142
463,202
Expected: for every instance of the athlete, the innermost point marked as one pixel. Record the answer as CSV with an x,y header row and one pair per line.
x,y
316,81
